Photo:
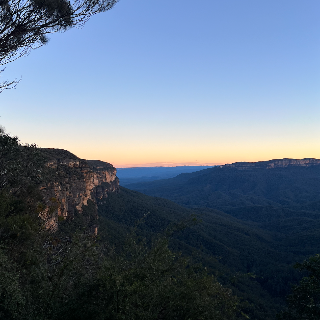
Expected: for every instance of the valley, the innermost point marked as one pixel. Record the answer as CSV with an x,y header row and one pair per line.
x,y
256,218
237,230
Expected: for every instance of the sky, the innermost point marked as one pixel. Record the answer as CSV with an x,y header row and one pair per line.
x,y
175,82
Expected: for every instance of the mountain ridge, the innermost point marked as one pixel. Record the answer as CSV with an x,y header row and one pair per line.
x,y
286,190
274,163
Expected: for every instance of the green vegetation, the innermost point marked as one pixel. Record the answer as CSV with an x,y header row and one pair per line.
x,y
148,259
72,274
268,219
304,301
243,257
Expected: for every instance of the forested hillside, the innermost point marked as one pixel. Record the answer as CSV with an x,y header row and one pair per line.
x,y
70,272
275,198
126,255
281,204
257,264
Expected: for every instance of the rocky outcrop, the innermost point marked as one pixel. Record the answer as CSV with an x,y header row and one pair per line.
x,y
275,163
73,183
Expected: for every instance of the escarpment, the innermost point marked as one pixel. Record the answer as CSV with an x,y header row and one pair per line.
x,y
73,182
275,163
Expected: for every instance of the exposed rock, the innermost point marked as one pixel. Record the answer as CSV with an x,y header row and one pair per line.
x,y
275,163
74,182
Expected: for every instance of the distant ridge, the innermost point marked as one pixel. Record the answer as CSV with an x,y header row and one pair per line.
x,y
128,176
275,163
276,183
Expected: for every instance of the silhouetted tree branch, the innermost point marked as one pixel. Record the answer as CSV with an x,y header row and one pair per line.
x,y
8,84
24,24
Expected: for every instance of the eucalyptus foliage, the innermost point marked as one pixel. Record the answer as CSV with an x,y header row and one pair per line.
x,y
25,24
304,301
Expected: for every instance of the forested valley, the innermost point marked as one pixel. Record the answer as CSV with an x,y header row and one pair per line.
x,y
226,253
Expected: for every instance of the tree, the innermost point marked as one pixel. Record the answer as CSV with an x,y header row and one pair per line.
x,y
25,24
304,302
8,84
20,165
150,282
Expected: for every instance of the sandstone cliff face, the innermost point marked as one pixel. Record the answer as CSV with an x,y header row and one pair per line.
x,y
276,163
73,183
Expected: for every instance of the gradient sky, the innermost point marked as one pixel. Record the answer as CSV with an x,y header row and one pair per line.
x,y
175,82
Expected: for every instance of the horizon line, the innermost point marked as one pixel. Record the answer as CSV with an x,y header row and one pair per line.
x,y
195,164
168,165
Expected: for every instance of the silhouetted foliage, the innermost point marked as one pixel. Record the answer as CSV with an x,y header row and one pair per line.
x,y
304,301
20,165
25,24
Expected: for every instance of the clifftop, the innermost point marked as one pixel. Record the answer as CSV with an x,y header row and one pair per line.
x,y
275,163
54,154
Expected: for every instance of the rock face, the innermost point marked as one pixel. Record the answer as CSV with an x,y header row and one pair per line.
x,y
73,183
276,163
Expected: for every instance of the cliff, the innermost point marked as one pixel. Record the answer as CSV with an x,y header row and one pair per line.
x,y
73,183
275,163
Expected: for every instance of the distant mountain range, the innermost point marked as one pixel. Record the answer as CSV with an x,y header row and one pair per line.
x,y
275,163
268,183
142,174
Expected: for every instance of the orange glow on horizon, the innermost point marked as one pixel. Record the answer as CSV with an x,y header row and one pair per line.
x,y
194,155
178,164
198,163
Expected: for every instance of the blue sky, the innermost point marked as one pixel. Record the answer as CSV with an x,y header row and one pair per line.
x,y
175,82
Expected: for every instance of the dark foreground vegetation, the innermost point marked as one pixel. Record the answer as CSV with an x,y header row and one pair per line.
x,y
72,274
152,259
